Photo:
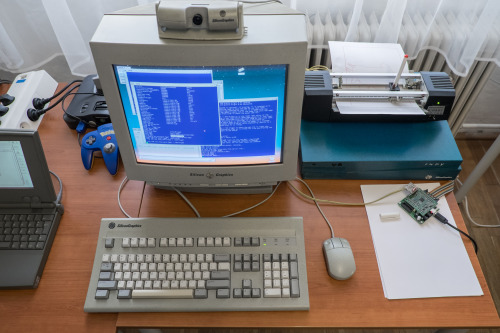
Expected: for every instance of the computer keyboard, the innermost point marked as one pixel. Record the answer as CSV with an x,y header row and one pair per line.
x,y
199,264
24,231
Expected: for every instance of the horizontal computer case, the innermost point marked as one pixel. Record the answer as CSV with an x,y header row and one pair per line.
x,y
361,150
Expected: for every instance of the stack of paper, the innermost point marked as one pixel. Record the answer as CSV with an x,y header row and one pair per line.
x,y
418,260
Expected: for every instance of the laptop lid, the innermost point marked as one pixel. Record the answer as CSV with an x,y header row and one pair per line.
x,y
25,180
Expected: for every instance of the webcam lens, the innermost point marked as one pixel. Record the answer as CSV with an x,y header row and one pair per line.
x,y
197,19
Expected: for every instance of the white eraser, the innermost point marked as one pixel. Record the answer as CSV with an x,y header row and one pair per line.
x,y
392,216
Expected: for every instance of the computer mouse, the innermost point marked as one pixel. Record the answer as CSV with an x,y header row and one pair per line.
x,y
339,258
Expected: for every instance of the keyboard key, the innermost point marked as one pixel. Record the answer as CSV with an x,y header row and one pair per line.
x,y
106,267
101,294
220,275
109,243
200,293
294,270
105,276
124,294
247,293
164,293
294,288
237,293
272,292
217,284
5,245
223,293
256,293
107,285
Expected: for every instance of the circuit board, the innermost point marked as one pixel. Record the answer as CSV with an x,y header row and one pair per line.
x,y
420,205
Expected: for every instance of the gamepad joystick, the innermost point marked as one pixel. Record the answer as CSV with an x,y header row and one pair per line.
x,y
104,140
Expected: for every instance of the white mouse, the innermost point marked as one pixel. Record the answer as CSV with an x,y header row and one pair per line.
x,y
339,258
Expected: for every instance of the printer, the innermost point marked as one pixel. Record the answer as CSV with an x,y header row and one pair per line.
x,y
432,92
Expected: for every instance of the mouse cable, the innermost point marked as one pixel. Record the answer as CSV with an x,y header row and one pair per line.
x,y
337,202
443,220
315,201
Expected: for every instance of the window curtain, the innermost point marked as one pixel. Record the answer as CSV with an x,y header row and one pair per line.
x,y
32,32
463,31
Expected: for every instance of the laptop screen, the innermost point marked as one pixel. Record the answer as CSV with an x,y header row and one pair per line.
x,y
14,172
24,174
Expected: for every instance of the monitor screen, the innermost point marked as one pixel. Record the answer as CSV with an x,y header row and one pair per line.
x,y
206,116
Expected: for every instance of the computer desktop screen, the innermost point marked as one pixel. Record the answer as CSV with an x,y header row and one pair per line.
x,y
207,116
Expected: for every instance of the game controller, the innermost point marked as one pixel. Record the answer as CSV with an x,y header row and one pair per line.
x,y
102,139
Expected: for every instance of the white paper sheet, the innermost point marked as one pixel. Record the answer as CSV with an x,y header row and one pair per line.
x,y
366,58
346,106
418,260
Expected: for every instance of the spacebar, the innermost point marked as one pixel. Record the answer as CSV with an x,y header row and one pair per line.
x,y
164,293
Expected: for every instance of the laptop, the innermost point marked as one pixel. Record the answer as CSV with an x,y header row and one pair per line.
x,y
30,210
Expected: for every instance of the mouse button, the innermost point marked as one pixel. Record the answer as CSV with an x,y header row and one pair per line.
x,y
345,243
336,242
327,245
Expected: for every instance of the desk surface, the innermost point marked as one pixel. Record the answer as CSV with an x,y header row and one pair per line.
x,y
88,196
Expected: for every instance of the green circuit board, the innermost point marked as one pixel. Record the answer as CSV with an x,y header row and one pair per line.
x,y
420,205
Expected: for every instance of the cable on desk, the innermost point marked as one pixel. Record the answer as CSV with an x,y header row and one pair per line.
x,y
467,212
315,201
39,103
187,201
338,202
256,205
59,195
232,214
34,114
120,189
443,220
442,190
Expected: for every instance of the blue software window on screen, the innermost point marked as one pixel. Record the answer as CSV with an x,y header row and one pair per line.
x,y
231,115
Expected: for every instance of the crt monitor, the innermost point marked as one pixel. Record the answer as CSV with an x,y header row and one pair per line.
x,y
205,114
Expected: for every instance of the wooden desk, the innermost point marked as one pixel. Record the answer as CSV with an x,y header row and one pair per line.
x,y
57,304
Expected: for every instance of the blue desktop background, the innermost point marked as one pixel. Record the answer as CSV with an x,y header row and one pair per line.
x,y
239,83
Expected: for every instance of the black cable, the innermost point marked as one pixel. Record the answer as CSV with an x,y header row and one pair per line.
x,y
443,220
39,103
34,114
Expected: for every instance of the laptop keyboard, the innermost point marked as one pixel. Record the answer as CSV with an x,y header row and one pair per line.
x,y
24,231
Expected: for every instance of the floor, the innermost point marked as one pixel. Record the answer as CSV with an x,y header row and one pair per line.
x,y
484,207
